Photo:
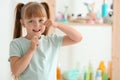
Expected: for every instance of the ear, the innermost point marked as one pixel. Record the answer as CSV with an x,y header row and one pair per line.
x,y
22,22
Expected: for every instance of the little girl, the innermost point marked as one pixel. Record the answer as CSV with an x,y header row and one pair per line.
x,y
34,56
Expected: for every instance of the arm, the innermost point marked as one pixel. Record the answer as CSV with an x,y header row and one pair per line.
x,y
72,36
19,64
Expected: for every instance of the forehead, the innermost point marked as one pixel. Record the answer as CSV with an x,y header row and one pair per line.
x,y
36,18
34,10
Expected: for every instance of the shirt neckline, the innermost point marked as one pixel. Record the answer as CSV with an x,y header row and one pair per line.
x,y
30,40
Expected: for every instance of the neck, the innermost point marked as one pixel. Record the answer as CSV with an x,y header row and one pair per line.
x,y
30,37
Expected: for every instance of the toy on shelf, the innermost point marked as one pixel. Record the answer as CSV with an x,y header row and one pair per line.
x,y
91,14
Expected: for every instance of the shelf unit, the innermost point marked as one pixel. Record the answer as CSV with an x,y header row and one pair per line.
x,y
115,39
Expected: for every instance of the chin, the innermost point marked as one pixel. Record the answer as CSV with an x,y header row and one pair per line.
x,y
37,35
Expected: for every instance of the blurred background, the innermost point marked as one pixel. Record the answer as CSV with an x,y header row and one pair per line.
x,y
92,18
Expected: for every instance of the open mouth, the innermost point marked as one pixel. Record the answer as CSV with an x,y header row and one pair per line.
x,y
36,30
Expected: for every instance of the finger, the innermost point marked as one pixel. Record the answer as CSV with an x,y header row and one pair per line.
x,y
48,24
35,40
48,21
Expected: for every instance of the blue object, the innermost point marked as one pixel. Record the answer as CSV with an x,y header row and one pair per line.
x,y
71,74
63,21
104,10
98,75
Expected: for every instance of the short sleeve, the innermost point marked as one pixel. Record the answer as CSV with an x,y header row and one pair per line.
x,y
57,40
14,49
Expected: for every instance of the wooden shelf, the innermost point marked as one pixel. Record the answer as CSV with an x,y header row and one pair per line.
x,y
85,24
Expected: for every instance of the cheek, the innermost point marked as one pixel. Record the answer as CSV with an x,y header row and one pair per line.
x,y
29,28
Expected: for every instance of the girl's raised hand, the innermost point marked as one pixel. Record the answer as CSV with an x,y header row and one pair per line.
x,y
34,43
50,23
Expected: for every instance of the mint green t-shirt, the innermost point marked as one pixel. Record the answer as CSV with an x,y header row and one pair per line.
x,y
44,61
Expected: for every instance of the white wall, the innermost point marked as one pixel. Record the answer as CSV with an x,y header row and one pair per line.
x,y
5,38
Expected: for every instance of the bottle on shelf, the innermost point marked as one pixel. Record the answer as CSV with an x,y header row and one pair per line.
x,y
98,75
58,72
89,74
104,9
83,76
66,14
102,67
105,77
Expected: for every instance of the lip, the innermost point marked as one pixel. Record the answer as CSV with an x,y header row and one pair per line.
x,y
36,30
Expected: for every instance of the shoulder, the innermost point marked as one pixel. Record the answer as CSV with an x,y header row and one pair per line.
x,y
15,48
16,41
53,37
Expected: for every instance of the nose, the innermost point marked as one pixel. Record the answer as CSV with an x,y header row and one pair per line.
x,y
36,24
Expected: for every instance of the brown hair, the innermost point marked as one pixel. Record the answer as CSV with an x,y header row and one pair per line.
x,y
47,9
18,28
29,10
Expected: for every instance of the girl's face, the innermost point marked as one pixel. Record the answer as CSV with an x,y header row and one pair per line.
x,y
34,26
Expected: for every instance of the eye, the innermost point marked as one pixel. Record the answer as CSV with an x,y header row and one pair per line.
x,y
30,21
41,20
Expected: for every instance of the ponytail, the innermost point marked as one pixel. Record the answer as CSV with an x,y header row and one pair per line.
x,y
17,25
47,9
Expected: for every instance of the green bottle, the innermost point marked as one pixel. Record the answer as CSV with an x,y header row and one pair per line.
x,y
105,76
89,73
